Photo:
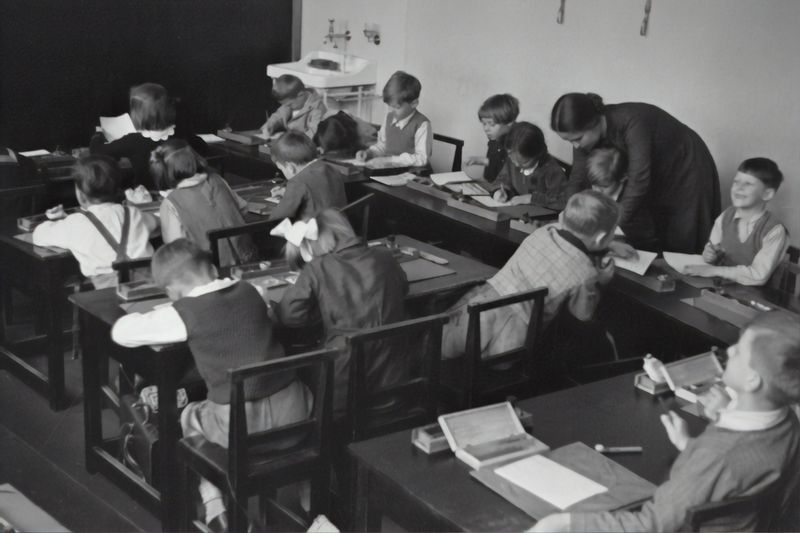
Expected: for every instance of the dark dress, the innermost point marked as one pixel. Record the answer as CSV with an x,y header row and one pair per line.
x,y
136,148
670,173
317,187
496,154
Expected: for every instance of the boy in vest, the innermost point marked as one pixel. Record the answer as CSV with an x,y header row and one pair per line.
x,y
313,184
753,446
406,138
102,231
226,325
747,242
301,108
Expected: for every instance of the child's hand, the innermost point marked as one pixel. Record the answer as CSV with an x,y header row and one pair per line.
x,y
522,199
622,250
704,271
677,429
475,160
553,522
500,195
362,155
713,401
277,191
606,270
55,213
712,253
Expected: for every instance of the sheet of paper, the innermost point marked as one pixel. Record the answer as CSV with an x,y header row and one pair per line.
x,y
117,127
398,180
550,481
618,231
638,265
34,153
680,261
468,189
210,138
488,201
449,177
354,162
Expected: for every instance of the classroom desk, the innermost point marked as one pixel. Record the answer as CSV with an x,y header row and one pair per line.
x,y
40,273
436,492
163,365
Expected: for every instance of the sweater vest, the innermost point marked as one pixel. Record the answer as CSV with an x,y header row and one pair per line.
x,y
227,329
401,140
743,253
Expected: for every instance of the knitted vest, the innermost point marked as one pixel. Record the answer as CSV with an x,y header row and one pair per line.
x,y
207,206
401,141
227,329
743,253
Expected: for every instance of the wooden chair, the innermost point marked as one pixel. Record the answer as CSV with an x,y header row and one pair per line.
x,y
471,381
788,272
261,227
249,467
755,512
351,211
458,152
125,269
372,412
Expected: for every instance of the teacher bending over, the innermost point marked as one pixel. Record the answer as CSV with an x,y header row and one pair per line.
x,y
671,174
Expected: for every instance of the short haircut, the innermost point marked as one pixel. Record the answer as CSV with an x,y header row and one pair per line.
x,y
402,88
334,229
337,133
151,108
764,169
776,354
173,162
589,212
527,140
606,166
180,261
502,108
576,112
98,177
287,87
293,147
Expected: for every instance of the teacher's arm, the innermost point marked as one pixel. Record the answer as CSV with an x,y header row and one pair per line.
x,y
578,176
638,137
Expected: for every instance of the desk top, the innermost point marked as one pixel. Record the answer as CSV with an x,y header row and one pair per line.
x,y
611,412
20,241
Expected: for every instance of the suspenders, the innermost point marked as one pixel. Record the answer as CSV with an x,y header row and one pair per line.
x,y
119,247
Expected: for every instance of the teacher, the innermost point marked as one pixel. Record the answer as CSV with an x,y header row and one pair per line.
x,y
671,173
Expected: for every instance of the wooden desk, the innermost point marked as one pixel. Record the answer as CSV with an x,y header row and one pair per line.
x,y
436,492
40,273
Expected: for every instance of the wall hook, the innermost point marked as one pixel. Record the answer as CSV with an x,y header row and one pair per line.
x,y
646,20
560,16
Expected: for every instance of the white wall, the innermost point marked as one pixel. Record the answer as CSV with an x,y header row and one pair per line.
x,y
727,68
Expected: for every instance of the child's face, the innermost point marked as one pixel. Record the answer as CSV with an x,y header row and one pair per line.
x,y
521,162
289,169
402,110
600,241
296,103
738,373
749,191
494,130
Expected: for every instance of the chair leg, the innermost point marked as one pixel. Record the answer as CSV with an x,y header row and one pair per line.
x,y
236,506
320,492
76,339
186,501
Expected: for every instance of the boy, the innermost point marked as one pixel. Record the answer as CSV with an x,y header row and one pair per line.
x,y
747,242
313,184
497,114
301,108
226,325
564,257
406,138
103,231
753,445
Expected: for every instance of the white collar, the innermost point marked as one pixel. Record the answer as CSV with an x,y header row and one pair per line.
x,y
192,181
736,420
530,170
739,216
402,123
158,135
216,285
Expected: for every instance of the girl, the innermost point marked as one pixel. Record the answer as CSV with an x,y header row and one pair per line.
x,y
530,175
670,170
152,112
198,202
350,286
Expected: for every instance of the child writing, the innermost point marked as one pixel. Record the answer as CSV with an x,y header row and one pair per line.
x,y
103,231
152,112
349,286
406,138
606,169
566,257
530,174
301,108
497,114
754,445
313,184
226,325
198,201
747,241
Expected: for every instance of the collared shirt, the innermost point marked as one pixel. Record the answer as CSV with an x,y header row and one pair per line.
x,y
736,420
158,135
773,247
423,143
162,325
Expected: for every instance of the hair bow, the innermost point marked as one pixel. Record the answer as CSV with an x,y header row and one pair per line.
x,y
298,234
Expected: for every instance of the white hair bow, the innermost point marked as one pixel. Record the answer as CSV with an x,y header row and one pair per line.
x,y
298,234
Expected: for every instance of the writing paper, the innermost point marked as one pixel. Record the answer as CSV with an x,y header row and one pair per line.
x,y
449,177
488,201
117,127
34,153
397,180
210,138
638,265
680,261
550,481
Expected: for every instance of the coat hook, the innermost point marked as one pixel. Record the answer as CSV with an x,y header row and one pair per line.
x,y
560,16
646,20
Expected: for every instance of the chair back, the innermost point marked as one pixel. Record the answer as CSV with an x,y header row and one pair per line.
x,y
786,275
262,228
476,384
126,267
246,456
357,212
439,160
378,410
755,512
